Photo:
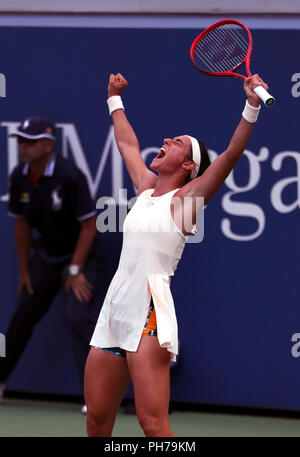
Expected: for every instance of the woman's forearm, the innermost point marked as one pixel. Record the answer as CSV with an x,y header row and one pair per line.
x,y
239,139
124,133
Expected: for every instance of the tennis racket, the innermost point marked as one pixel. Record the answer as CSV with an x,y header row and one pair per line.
x,y
224,47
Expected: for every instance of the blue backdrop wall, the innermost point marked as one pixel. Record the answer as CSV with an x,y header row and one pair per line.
x,y
236,292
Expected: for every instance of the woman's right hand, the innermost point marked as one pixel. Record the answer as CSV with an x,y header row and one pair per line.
x,y
25,281
117,83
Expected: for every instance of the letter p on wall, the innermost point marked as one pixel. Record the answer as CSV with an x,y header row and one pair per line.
x,y
2,345
2,85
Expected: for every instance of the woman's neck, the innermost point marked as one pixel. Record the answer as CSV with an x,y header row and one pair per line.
x,y
165,184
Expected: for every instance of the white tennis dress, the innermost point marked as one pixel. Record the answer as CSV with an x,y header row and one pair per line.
x,y
152,248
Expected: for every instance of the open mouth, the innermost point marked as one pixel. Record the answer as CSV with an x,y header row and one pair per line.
x,y
162,153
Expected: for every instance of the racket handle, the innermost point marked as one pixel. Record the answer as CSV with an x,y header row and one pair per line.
x,y
264,95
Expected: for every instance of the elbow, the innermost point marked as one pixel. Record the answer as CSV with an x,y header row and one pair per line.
x,y
89,225
21,224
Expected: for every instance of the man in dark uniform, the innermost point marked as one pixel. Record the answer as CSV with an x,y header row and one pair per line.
x,y
50,194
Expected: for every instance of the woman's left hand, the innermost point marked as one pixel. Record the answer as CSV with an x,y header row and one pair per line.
x,y
250,84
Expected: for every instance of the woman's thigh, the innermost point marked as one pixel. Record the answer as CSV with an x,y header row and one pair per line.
x,y
105,382
149,369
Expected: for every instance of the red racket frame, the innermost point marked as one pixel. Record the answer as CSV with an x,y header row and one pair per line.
x,y
245,61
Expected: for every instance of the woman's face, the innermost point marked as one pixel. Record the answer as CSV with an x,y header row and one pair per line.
x,y
172,154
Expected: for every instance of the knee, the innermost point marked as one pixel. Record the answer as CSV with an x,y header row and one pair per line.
x,y
153,426
97,424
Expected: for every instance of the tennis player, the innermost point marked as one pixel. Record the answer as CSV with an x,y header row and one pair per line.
x,y
136,333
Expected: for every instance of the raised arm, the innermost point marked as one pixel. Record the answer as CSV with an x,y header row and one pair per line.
x,y
126,139
214,176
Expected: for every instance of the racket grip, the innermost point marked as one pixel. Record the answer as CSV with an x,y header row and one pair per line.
x,y
264,95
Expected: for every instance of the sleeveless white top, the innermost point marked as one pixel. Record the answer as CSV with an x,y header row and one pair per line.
x,y
152,248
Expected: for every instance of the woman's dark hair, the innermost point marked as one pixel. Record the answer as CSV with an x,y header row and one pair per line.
x,y
205,159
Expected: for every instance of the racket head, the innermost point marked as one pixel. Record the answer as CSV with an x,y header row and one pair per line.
x,y
208,49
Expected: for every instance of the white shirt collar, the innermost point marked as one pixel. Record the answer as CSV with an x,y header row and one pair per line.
x,y
49,167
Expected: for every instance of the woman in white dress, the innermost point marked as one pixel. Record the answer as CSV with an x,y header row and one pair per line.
x,y
136,333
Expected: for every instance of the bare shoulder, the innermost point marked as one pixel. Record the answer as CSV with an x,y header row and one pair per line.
x,y
148,182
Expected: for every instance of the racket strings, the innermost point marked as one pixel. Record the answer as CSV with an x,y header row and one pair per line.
x,y
222,49
213,49
238,36
214,53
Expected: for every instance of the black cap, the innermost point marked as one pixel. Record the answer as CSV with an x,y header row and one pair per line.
x,y
35,128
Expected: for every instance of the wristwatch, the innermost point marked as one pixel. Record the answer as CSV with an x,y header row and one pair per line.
x,y
74,270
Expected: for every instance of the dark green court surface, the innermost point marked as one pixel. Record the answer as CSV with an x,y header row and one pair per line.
x,y
22,418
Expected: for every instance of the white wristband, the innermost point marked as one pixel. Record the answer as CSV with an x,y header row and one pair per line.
x,y
250,112
114,103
